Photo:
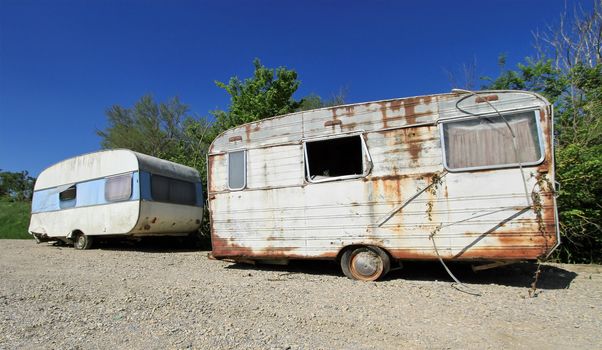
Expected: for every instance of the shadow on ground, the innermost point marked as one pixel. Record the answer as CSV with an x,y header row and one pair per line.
x,y
515,275
163,244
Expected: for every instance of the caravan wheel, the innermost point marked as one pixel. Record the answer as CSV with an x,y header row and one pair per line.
x,y
81,241
365,263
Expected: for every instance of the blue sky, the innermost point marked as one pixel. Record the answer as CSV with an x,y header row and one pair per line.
x,y
63,63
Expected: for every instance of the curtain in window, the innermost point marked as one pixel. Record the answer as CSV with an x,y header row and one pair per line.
x,y
118,188
488,141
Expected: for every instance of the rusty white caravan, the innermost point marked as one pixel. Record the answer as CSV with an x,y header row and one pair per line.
x,y
115,192
461,176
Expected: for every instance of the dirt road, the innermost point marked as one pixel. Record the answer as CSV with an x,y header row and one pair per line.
x,y
150,297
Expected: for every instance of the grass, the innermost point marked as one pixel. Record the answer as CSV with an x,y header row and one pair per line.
x,y
14,220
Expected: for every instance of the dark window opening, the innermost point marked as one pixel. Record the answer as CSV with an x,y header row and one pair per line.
x,y
335,157
165,189
67,197
68,194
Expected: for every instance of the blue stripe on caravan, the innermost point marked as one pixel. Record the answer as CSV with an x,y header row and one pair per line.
x,y
199,194
89,193
145,186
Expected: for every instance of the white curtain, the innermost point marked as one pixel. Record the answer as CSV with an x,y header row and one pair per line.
x,y
488,141
118,188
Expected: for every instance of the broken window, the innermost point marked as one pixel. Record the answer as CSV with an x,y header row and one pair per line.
x,y
237,170
165,189
487,141
118,188
67,197
334,158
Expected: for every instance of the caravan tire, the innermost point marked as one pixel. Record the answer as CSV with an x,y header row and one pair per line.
x,y
365,263
81,241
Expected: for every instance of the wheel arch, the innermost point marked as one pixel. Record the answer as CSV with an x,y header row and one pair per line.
x,y
358,245
74,233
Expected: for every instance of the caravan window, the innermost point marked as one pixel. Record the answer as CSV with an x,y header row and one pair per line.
x,y
486,142
237,170
118,188
165,189
334,158
67,197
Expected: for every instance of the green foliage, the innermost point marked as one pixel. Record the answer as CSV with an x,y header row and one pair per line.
x,y
577,97
147,127
535,75
14,220
579,171
166,130
313,101
16,186
268,93
163,130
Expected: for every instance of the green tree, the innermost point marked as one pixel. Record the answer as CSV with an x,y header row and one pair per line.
x,y
16,186
569,73
148,127
314,101
268,93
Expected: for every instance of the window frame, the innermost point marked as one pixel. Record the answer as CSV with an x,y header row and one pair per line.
x,y
497,166
366,166
244,169
68,203
69,188
131,191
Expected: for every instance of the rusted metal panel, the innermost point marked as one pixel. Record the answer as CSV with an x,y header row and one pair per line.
x,y
407,199
165,218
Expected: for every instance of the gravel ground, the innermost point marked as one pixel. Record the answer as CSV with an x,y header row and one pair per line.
x,y
155,297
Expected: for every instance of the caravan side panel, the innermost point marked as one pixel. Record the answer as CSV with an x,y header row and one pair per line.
x,y
110,219
407,202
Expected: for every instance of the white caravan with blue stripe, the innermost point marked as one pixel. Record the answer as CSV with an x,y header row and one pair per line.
x,y
114,193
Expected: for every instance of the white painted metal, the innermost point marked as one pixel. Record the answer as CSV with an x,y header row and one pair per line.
x,y
472,215
132,217
87,167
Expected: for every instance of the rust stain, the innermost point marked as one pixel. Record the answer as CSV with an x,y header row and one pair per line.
x,y
392,189
235,138
332,123
427,175
414,145
225,248
396,105
481,99
411,254
209,172
383,112
350,111
349,126
506,253
222,248
408,105
409,109
248,132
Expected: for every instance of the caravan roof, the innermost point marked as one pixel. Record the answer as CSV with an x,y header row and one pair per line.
x,y
110,162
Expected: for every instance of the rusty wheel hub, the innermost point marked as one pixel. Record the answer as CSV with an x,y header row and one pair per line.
x,y
366,265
